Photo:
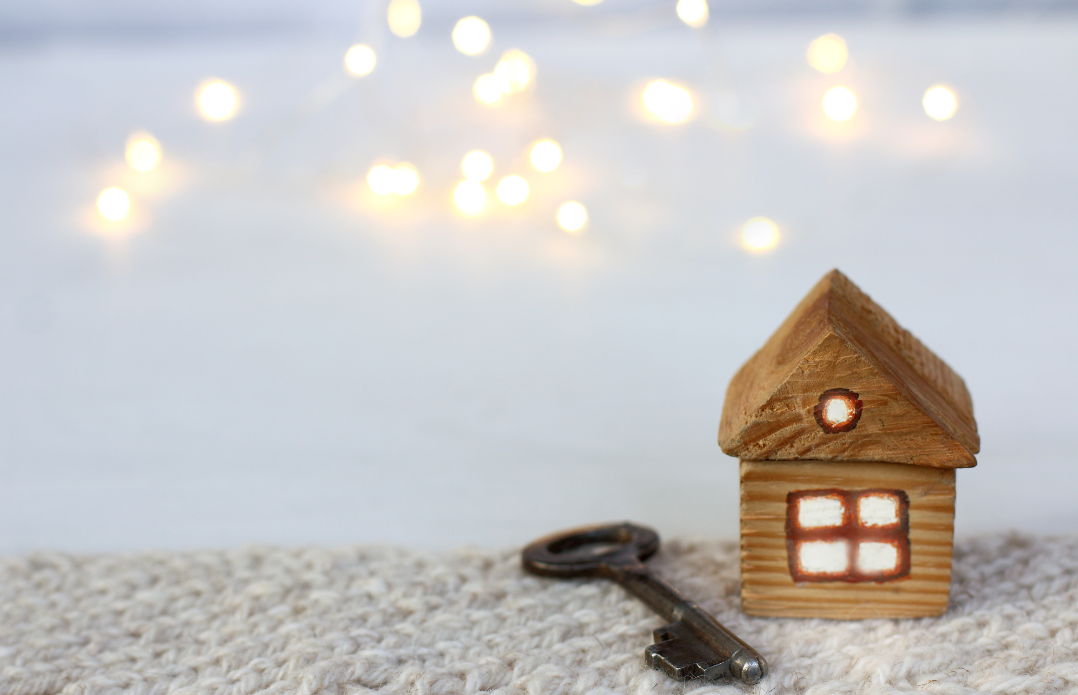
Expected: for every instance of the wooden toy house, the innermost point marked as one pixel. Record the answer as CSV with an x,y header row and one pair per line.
x,y
849,431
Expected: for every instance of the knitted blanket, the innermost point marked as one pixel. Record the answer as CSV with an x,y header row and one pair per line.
x,y
386,620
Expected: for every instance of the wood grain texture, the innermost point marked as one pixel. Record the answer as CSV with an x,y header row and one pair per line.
x,y
916,409
767,588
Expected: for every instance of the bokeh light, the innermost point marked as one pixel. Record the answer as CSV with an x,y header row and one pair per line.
x,y
759,235
143,152
514,70
470,197
404,17
217,100
405,179
512,190
572,217
828,53
360,60
693,12
940,103
668,102
488,89
381,179
113,204
587,3
839,104
471,36
402,179
546,155
477,165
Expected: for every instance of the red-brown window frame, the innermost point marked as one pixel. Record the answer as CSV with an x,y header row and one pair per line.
x,y
852,532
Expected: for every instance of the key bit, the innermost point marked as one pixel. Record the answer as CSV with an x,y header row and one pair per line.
x,y
678,653
694,645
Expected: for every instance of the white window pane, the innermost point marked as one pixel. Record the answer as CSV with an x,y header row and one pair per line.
x,y
874,558
823,557
820,511
878,510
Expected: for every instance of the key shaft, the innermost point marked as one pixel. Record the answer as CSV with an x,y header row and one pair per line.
x,y
742,662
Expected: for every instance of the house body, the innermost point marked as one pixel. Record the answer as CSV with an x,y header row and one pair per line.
x,y
849,431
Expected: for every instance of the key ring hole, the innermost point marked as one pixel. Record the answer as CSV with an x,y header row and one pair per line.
x,y
593,543
590,551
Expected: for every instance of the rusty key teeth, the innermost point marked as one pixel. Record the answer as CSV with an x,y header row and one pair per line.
x,y
660,656
678,654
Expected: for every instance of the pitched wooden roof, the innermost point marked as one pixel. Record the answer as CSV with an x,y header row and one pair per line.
x,y
915,408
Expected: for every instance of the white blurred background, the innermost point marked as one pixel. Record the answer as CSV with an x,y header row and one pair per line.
x,y
262,348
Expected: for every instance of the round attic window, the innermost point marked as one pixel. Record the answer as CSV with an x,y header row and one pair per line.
x,y
838,410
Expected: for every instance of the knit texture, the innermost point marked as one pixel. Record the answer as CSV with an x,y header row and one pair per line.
x,y
357,620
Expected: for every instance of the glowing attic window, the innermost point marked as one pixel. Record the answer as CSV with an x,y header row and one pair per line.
x,y
847,536
838,410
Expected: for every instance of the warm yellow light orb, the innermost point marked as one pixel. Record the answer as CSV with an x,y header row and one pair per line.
x,y
828,53
401,179
113,204
693,12
587,3
405,179
470,197
404,17
382,179
839,104
488,89
360,60
759,234
572,217
668,102
142,152
471,36
940,103
512,190
477,165
546,155
514,70
217,100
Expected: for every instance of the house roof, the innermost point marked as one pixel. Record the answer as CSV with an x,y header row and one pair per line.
x,y
912,407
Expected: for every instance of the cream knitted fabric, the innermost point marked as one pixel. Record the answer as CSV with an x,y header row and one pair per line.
x,y
357,620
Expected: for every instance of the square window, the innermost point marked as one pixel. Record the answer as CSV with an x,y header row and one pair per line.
x,y
837,535
877,558
877,509
824,557
820,511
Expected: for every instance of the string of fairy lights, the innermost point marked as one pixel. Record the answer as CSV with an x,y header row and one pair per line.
x,y
664,101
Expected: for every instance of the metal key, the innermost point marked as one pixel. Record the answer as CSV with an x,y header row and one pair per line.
x,y
693,645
